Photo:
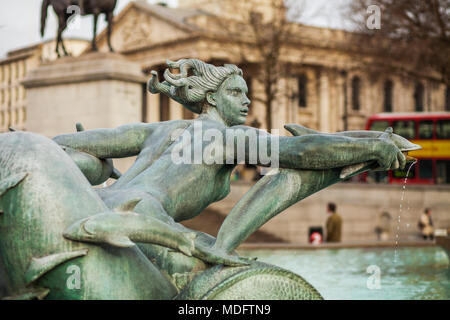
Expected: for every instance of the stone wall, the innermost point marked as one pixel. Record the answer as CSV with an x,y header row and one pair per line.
x,y
360,206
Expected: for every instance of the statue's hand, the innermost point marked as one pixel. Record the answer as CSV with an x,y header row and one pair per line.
x,y
388,155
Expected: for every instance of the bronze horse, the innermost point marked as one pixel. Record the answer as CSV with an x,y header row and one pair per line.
x,y
87,7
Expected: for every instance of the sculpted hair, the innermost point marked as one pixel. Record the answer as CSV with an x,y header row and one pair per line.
x,y
196,78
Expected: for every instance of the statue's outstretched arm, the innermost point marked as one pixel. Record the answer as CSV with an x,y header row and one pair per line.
x,y
274,193
314,151
120,142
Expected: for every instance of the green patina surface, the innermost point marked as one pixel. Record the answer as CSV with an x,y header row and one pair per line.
x,y
62,239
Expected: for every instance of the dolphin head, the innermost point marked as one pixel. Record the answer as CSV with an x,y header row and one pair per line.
x,y
101,228
79,231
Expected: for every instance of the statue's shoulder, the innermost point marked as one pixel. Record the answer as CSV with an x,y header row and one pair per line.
x,y
173,124
163,128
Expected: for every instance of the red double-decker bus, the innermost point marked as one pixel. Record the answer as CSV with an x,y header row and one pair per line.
x,y
431,131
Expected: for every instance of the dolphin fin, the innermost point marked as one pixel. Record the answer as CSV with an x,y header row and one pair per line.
x,y
39,266
30,294
128,205
298,130
120,241
11,182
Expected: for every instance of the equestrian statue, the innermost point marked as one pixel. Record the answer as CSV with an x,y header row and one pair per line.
x,y
64,9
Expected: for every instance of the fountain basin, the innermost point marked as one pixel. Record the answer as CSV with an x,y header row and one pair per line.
x,y
420,272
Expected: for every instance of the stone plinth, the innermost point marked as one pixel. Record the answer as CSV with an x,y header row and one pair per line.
x,y
100,90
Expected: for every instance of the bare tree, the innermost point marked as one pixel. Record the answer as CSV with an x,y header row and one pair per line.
x,y
262,29
413,37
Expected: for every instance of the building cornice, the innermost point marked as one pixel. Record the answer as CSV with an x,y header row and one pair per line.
x,y
90,67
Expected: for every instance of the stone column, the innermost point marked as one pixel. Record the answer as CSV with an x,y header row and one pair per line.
x,y
280,107
152,107
324,102
176,110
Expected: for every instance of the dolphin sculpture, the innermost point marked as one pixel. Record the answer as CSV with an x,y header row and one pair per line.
x,y
42,193
121,228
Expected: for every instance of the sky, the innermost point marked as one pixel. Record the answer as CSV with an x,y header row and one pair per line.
x,y
20,21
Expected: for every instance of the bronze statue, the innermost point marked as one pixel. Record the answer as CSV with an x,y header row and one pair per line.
x,y
87,7
125,241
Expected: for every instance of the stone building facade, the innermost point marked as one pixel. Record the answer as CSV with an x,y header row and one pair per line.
x,y
328,87
13,70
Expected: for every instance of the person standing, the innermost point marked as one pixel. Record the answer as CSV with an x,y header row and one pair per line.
x,y
426,225
333,224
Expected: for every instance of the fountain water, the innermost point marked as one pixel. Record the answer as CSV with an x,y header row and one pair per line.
x,y
400,211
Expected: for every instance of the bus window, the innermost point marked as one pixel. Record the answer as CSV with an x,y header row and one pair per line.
x,y
426,169
443,171
426,129
401,173
443,129
405,128
379,125
377,177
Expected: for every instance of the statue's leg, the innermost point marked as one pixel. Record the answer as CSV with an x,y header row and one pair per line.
x,y
110,20
94,44
268,197
61,27
58,38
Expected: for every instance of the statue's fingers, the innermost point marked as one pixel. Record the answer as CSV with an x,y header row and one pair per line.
x,y
395,164
401,159
384,164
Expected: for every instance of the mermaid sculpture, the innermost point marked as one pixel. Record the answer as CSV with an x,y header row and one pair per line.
x,y
62,239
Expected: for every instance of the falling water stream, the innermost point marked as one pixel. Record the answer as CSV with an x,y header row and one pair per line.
x,y
400,212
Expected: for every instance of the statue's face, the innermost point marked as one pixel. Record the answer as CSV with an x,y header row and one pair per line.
x,y
231,100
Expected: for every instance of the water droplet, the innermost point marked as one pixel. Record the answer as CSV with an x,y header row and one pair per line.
x,y
400,211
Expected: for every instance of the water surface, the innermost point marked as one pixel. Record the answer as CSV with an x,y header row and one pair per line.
x,y
417,273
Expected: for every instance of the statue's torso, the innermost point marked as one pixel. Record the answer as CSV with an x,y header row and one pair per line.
x,y
184,189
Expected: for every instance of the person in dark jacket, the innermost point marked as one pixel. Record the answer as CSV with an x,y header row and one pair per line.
x,y
334,224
